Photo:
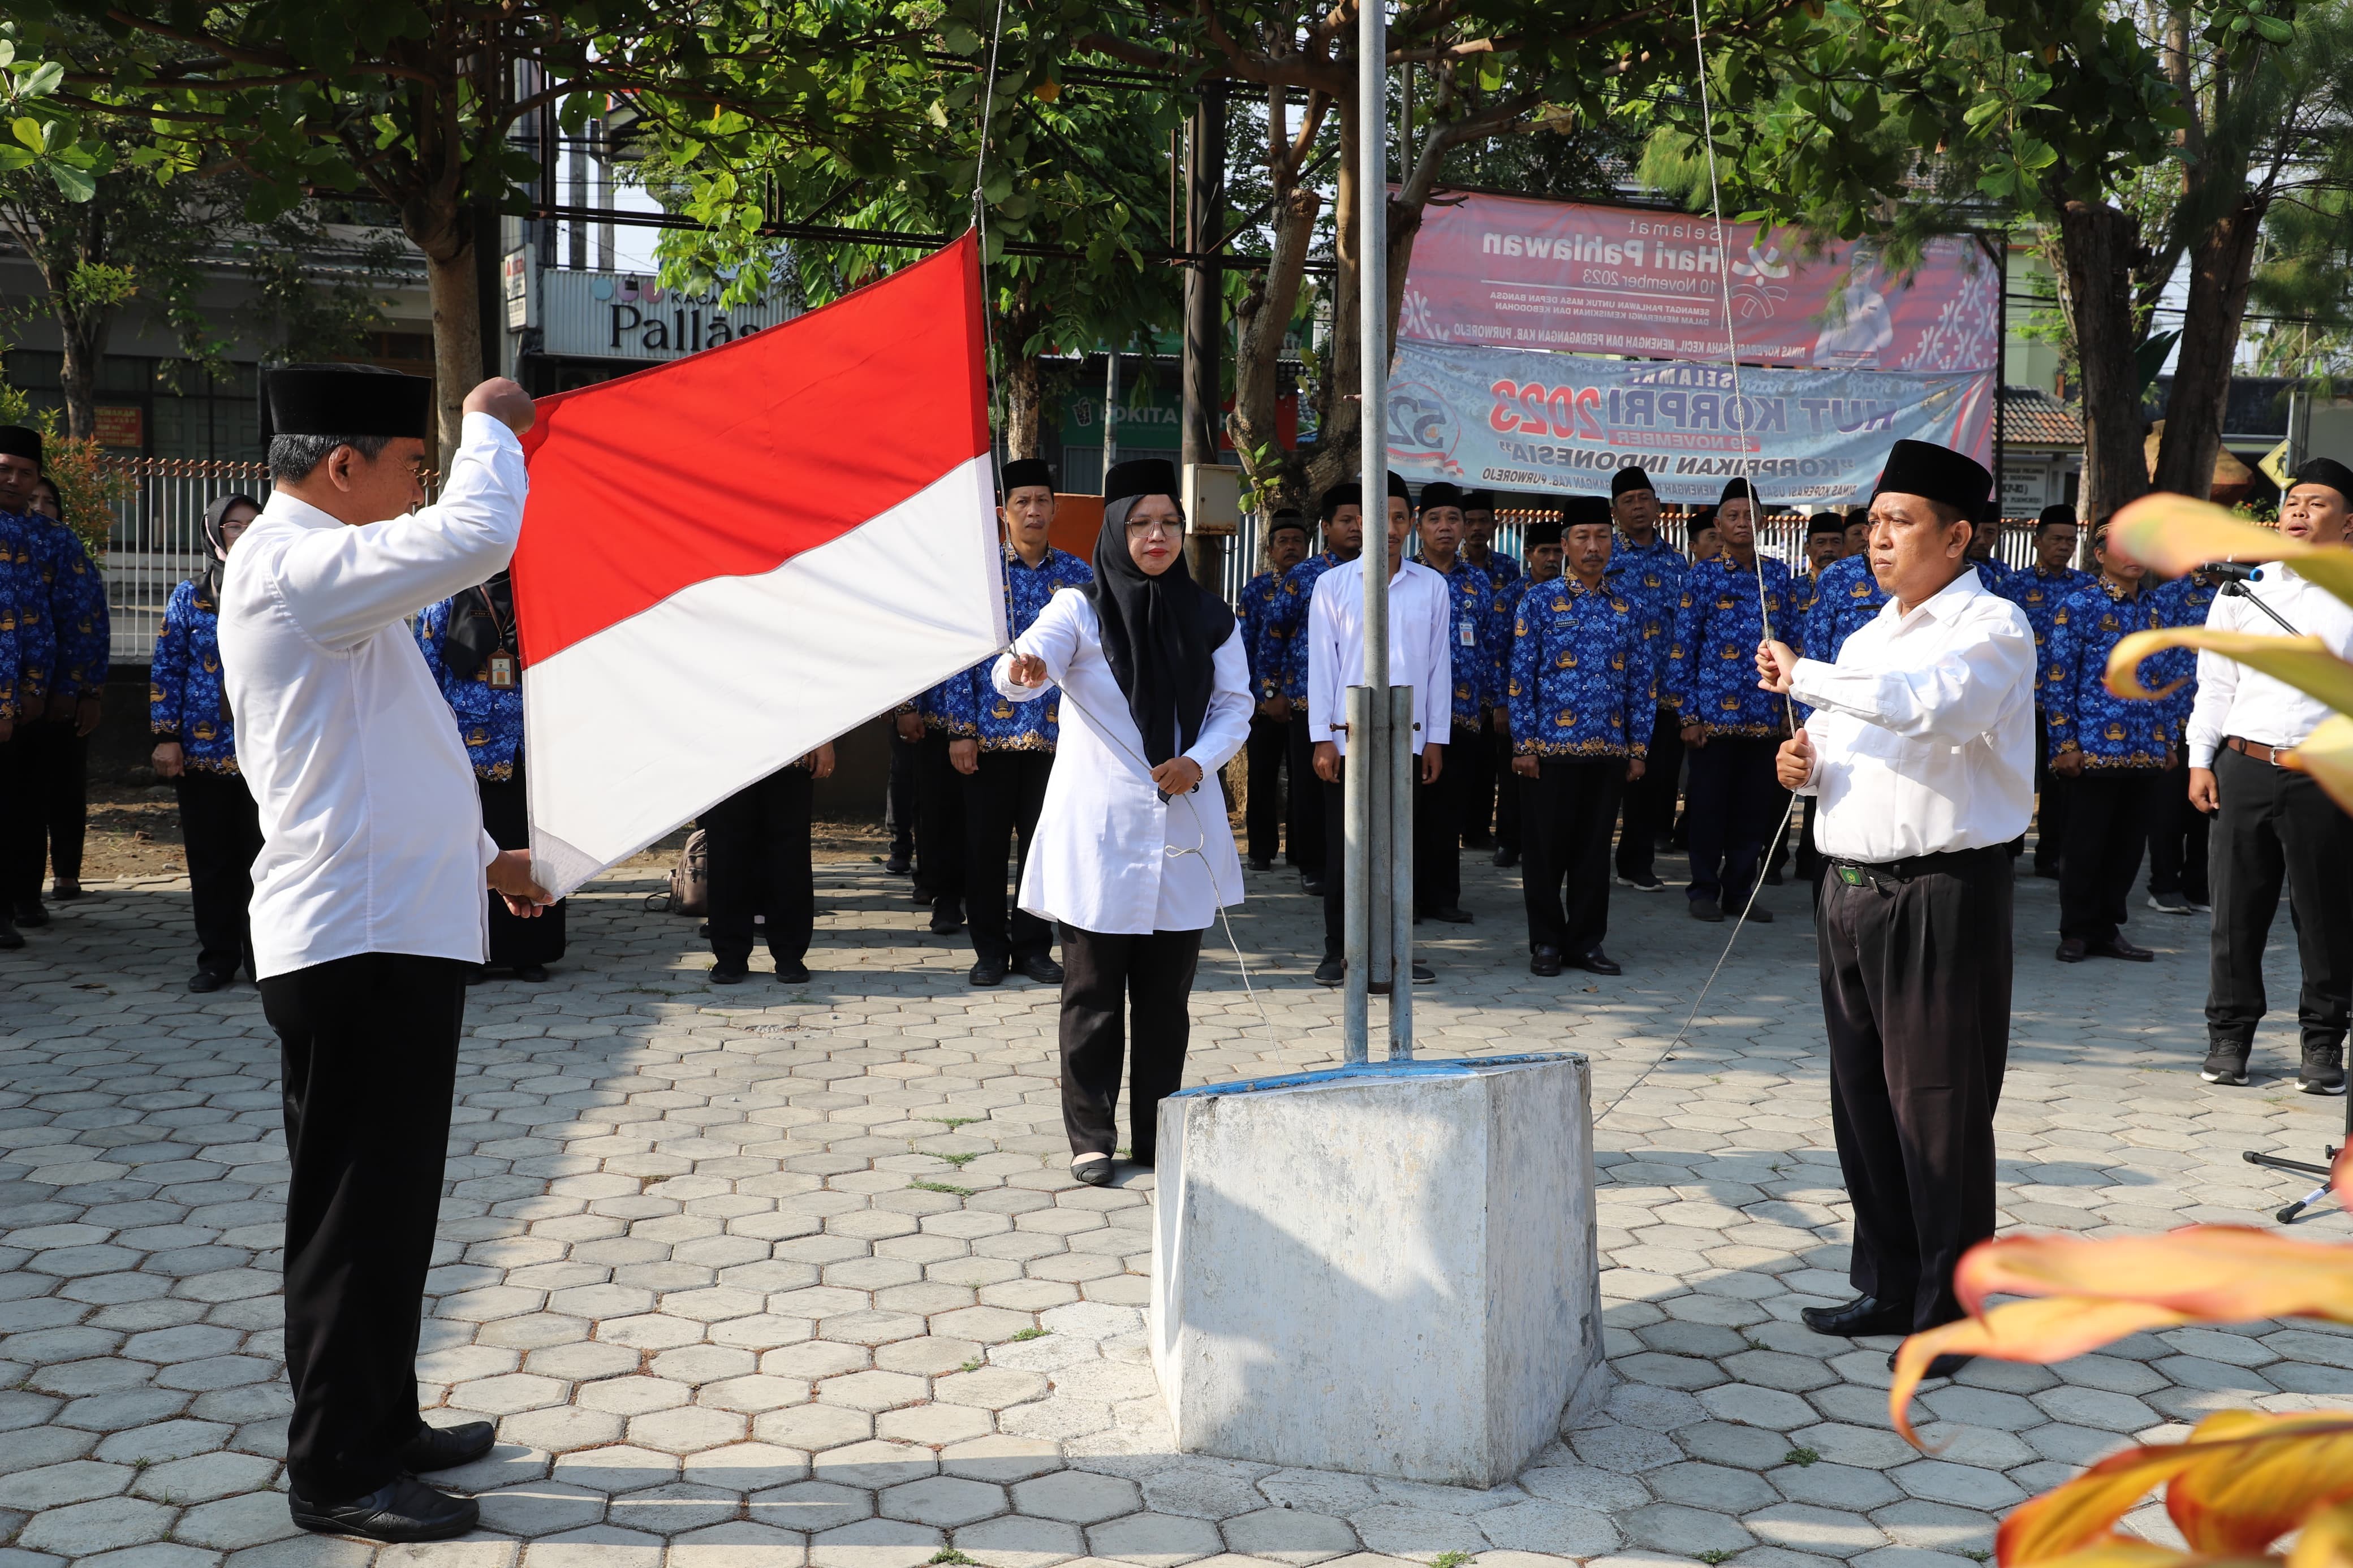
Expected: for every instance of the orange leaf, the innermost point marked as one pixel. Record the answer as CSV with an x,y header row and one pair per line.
x,y
2126,1551
2275,1469
2327,1541
2212,1273
2304,663
2263,1475
2039,1332
2174,534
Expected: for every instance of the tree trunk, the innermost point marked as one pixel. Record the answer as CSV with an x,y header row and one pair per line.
x,y
456,296
1265,316
2219,268
2097,246
1025,402
1337,436
84,333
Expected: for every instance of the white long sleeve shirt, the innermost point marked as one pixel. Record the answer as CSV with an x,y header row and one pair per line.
x,y
1421,614
1924,729
2233,699
1100,859
371,833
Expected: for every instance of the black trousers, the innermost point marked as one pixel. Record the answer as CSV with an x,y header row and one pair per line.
x,y
2051,796
1915,999
1268,749
368,1047
221,830
1650,801
1438,826
898,797
758,839
506,817
1152,978
1510,791
50,810
1335,856
1571,805
2177,839
1473,752
1309,802
939,823
1001,801
1736,801
2107,823
2274,825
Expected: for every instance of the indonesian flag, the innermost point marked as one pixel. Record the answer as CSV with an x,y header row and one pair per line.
x,y
728,560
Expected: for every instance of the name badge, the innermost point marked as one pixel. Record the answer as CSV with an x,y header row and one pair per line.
x,y
1468,636
1849,876
502,671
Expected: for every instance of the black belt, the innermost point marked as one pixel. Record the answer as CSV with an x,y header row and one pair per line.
x,y
1854,873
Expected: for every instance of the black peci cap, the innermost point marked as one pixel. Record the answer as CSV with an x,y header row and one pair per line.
x,y
343,400
1935,473
1023,472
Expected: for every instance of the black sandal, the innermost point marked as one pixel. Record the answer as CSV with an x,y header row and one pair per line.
x,y
1093,1172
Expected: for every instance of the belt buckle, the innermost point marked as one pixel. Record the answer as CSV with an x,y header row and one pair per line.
x,y
1851,876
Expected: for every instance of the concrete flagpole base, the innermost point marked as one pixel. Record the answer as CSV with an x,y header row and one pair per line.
x,y
1389,1269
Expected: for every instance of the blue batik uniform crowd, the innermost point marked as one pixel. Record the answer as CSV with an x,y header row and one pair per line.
x,y
55,647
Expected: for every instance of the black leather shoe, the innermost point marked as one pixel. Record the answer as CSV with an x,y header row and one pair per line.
x,y
1093,1172
1505,855
1863,1315
2071,950
1043,969
1424,975
947,918
1452,915
794,973
987,973
32,915
897,865
1598,963
205,980
10,937
1260,863
1332,971
2117,947
447,1447
1758,915
725,973
1544,960
402,1509
534,973
1705,909
1938,1366
1311,886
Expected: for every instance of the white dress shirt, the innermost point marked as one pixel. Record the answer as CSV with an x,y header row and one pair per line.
x,y
2233,699
1099,857
1421,617
1924,729
371,833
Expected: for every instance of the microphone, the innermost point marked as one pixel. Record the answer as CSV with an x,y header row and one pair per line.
x,y
2233,571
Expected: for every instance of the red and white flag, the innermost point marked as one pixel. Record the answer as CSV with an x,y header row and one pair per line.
x,y
731,559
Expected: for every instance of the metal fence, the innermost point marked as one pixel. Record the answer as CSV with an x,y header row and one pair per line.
x,y
159,538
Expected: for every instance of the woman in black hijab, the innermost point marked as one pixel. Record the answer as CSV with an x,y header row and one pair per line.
x,y
1133,856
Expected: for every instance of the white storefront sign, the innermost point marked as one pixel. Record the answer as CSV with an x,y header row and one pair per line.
x,y
608,315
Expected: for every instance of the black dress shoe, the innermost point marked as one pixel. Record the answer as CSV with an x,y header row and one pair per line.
x,y
1706,910
987,973
1424,975
1938,1366
1598,963
1260,863
1452,915
447,1447
10,937
1311,886
32,915
205,980
1505,855
534,973
1093,1172
2071,950
792,973
725,973
1544,960
897,865
2117,947
1863,1315
1759,915
402,1509
1043,969
1332,971
947,918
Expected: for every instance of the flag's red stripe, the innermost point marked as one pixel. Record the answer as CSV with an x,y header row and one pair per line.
x,y
733,461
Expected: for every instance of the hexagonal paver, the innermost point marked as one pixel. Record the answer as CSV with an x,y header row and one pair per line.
x,y
945,1501
875,1543
1289,1535
1078,1497
1156,1540
809,1507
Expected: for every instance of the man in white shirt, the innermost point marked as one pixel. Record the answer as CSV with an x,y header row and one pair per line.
x,y
1920,755
1421,615
367,914
2271,823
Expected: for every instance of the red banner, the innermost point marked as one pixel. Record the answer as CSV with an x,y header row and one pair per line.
x,y
1508,272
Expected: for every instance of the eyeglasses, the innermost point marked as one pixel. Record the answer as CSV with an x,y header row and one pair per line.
x,y
1167,528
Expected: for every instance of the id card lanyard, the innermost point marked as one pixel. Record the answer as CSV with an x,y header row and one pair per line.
x,y
499,670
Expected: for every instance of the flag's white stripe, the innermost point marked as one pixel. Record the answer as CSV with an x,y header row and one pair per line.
x,y
653,721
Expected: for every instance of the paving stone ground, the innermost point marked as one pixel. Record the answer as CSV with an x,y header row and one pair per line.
x,y
774,1277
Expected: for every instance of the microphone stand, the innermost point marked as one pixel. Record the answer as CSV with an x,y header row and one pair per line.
x,y
2237,587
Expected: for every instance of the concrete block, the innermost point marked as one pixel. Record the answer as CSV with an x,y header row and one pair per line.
x,y
1389,1270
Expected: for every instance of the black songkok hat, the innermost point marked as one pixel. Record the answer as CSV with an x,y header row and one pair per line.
x,y
1440,493
1140,476
1546,532
1935,473
1825,522
1581,509
1629,479
2325,472
16,441
1023,472
1289,517
343,400
1478,501
1861,514
1701,521
1396,488
1741,489
1347,492
2052,515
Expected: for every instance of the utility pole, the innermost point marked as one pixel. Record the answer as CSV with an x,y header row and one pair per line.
x,y
1204,222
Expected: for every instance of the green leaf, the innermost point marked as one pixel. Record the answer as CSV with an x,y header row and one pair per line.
x,y
74,186
30,131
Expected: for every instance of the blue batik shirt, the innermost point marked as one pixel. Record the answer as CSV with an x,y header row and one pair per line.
x,y
186,700
1299,588
28,599
15,694
974,706
1712,663
2186,601
1501,570
490,720
76,590
2039,592
1846,597
1651,578
1992,573
1579,682
1267,628
1471,639
2084,716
